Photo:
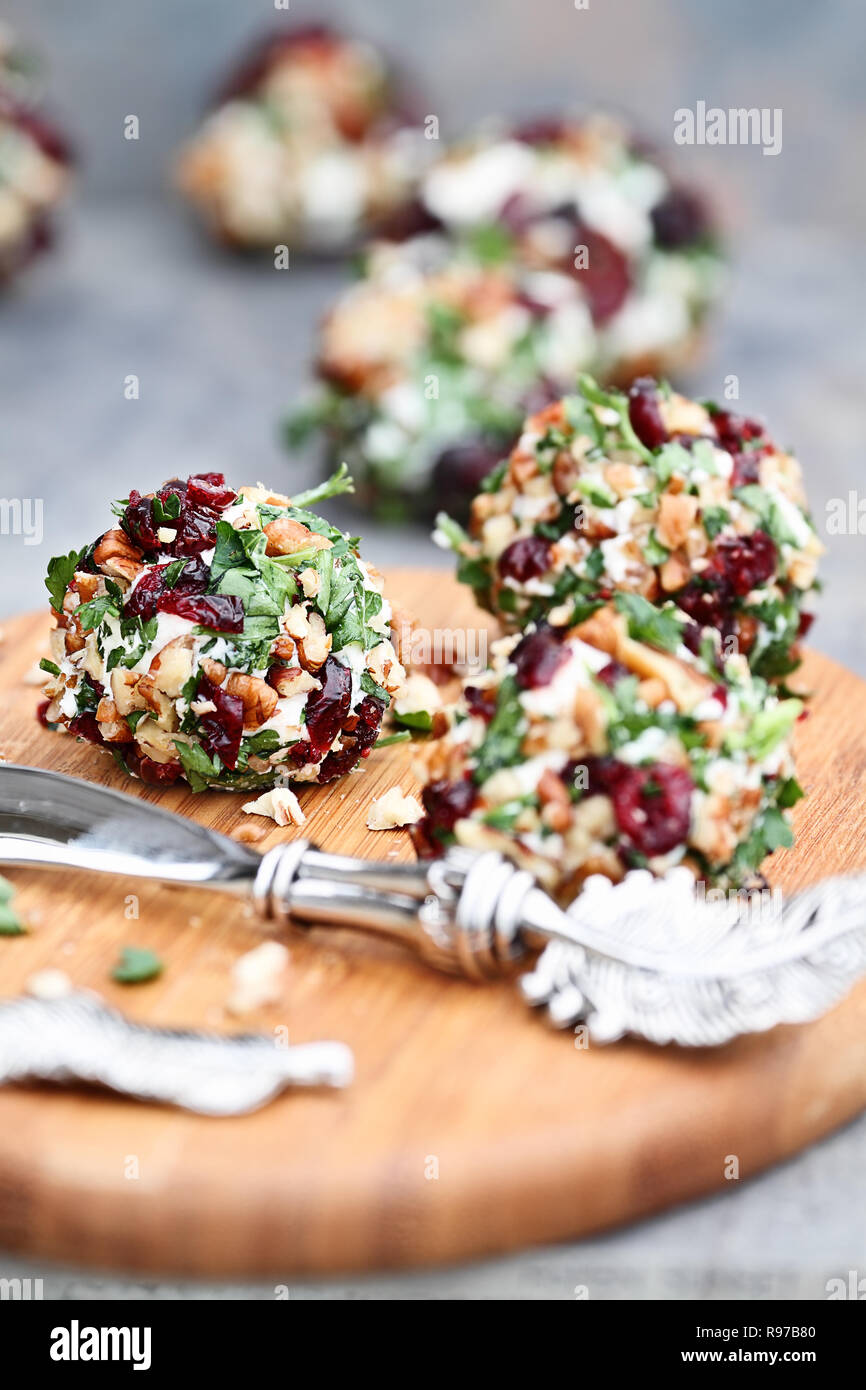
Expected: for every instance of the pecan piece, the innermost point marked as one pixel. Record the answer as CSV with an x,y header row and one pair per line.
x,y
258,698
116,556
286,536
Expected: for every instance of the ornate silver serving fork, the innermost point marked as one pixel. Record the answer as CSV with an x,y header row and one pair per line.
x,y
644,957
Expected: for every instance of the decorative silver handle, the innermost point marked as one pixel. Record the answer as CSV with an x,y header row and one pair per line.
x,y
80,1039
644,956
465,914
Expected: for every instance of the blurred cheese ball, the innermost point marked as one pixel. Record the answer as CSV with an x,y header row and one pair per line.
x,y
595,750
535,254
309,144
231,638
651,494
35,162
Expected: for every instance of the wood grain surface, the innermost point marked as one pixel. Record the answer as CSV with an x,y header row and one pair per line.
x,y
471,1128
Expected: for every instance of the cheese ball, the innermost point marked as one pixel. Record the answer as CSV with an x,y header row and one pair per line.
x,y
309,144
35,161
651,494
592,750
229,637
537,254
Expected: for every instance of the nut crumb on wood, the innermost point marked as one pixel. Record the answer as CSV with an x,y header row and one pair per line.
x,y
395,808
280,804
257,977
49,984
249,834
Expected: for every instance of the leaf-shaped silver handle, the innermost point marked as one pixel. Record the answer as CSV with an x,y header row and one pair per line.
x,y
740,966
78,1038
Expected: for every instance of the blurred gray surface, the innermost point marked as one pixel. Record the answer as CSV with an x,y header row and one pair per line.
x,y
221,346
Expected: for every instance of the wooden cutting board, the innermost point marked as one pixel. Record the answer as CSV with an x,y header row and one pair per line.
x,y
471,1128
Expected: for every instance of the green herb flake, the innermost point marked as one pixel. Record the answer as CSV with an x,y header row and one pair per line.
x,y
136,966
61,570
646,623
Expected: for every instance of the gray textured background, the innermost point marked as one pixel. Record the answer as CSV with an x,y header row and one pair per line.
x,y
221,346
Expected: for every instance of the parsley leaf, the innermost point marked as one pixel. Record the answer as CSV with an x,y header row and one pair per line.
x,y
60,572
646,623
503,741
339,482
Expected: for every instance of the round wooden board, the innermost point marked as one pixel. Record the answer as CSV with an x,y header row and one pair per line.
x,y
471,1128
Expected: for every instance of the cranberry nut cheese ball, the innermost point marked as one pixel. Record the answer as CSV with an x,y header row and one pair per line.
x,y
653,495
536,255
309,144
35,161
610,745
229,638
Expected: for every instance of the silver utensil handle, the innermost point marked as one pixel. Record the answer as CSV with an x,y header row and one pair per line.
x,y
462,913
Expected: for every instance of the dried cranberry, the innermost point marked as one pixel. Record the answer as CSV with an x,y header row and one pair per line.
x,y
42,712
805,623
411,219
481,703
745,469
149,593
611,673
543,130
41,131
209,490
733,431
526,558
746,561
194,527
448,802
142,602
652,806
445,803
356,744
708,600
85,726
196,531
645,414
222,729
601,774
460,469
680,219
221,612
605,279
692,638
537,658
138,521
265,53
720,693
327,708
153,773
193,578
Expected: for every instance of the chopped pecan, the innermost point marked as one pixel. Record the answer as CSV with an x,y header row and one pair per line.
x,y
116,556
286,536
171,668
676,516
124,689
259,699
157,701
283,649
291,680
314,646
214,670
